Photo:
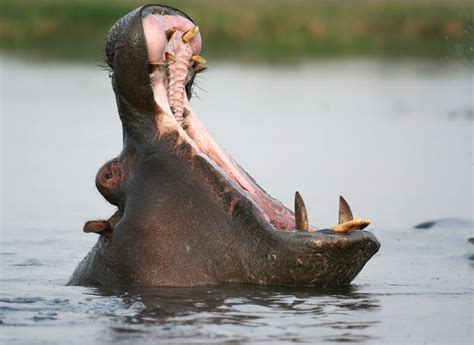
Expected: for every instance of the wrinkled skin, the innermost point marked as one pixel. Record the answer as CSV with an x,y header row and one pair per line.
x,y
187,213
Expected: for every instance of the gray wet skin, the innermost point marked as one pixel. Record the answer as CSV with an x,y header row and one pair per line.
x,y
180,220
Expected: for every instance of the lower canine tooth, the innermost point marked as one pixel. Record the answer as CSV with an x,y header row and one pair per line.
x,y
354,224
301,215
345,213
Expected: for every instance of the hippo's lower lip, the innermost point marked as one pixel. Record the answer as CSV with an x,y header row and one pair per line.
x,y
188,214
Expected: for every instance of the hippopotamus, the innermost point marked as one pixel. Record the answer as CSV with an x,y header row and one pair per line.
x,y
187,213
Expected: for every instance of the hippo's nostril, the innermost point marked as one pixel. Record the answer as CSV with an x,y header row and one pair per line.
x,y
109,175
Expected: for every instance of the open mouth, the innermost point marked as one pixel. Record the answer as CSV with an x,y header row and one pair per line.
x,y
174,44
188,214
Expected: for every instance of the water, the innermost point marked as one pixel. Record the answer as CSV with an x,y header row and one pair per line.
x,y
394,138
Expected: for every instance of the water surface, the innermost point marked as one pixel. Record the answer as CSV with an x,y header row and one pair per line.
x,y
394,138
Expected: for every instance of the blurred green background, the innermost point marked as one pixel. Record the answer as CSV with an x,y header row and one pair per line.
x,y
270,30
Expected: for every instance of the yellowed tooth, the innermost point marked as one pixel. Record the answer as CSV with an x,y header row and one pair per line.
x,y
170,32
345,213
199,68
301,215
155,64
198,59
189,35
170,57
354,224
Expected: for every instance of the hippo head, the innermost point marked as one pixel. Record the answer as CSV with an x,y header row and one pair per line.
x,y
188,214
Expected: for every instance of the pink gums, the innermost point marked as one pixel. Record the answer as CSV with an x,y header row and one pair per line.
x,y
155,28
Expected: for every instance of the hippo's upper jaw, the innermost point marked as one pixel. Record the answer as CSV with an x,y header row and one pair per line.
x,y
188,214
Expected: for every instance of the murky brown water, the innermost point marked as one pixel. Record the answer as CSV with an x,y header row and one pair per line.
x,y
394,139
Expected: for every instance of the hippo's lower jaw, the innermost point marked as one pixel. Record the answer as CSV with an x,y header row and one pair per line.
x,y
188,214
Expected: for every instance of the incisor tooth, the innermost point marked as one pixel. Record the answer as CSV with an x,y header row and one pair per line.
x,y
170,57
189,35
170,32
354,224
345,213
301,215
198,59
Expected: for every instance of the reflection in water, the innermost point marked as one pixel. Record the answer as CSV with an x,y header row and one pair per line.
x,y
245,311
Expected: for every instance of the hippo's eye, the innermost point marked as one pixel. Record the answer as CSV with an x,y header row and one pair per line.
x,y
109,175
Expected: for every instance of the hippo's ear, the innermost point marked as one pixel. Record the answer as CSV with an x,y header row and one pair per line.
x,y
97,226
